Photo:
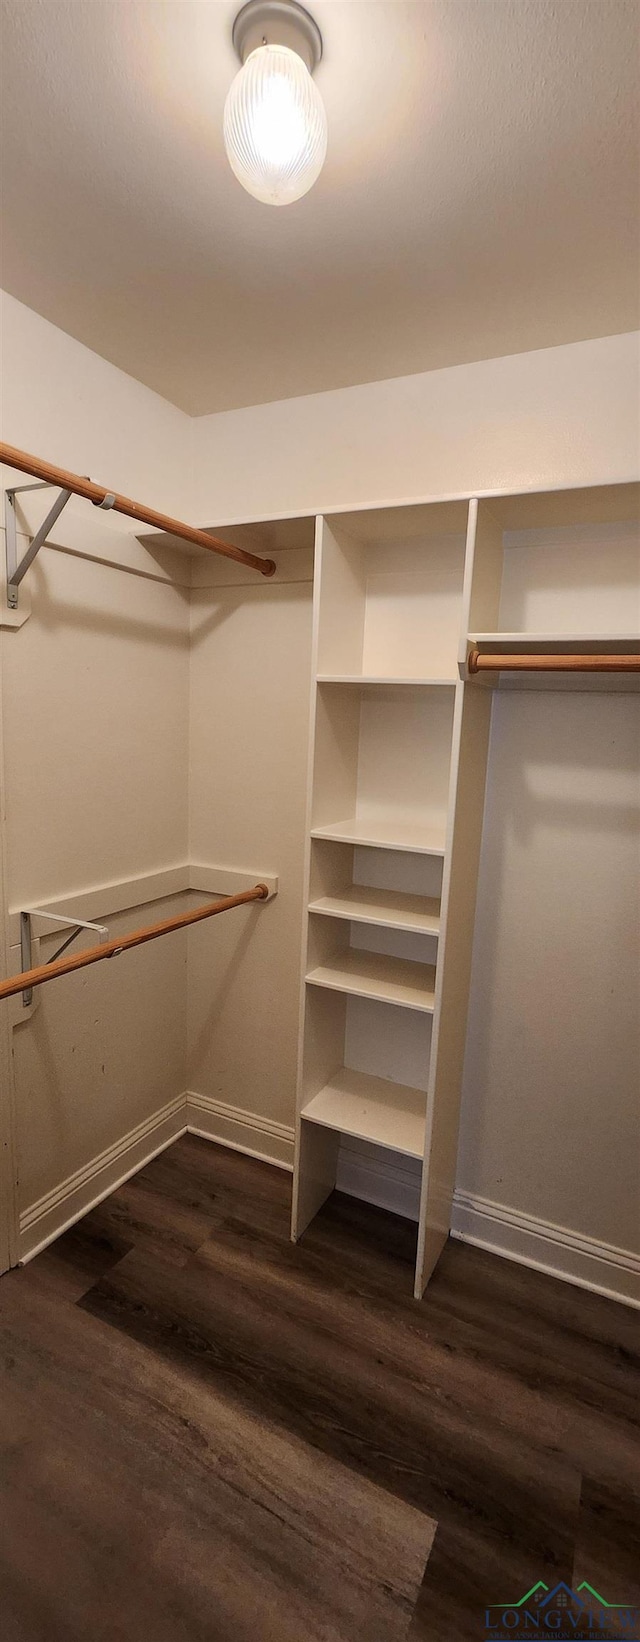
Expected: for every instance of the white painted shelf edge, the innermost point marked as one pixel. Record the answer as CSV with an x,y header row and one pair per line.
x,y
553,640
388,834
380,977
391,908
373,1109
373,679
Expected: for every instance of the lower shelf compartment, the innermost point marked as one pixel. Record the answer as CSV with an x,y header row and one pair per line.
x,y
370,1108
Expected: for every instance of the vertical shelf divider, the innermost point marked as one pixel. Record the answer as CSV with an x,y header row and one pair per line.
x,y
315,1158
469,758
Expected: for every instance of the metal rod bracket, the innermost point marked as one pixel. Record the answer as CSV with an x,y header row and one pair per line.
x,y
16,568
75,925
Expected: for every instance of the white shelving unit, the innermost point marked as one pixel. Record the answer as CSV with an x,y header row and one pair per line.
x,y
398,752
385,731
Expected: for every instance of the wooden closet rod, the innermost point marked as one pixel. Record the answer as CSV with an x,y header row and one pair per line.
x,y
495,662
95,954
98,494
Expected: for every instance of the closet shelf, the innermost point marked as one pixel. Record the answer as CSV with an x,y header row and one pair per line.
x,y
376,975
374,1109
385,833
558,641
382,906
372,680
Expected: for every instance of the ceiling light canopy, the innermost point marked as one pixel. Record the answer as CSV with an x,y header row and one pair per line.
x,y
275,126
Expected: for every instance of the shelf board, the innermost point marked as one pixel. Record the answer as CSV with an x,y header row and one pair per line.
x,y
555,641
382,906
385,833
373,679
388,1114
376,975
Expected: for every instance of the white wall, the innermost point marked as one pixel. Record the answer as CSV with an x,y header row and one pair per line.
x,y
552,1079
62,402
95,708
250,664
560,416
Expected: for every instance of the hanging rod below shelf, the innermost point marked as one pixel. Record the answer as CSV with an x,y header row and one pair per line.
x,y
111,949
103,497
495,662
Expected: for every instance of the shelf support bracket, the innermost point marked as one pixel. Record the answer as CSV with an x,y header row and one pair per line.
x,y
75,925
16,569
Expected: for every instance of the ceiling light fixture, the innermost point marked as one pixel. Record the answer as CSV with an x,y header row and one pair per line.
x,y
275,125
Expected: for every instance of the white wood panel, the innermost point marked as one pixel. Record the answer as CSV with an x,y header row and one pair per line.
x,y
314,1173
404,756
548,642
582,577
405,521
376,975
389,1114
553,1060
407,873
420,947
321,1016
363,680
388,907
468,777
341,603
8,1114
412,610
547,509
483,573
335,760
387,833
385,1041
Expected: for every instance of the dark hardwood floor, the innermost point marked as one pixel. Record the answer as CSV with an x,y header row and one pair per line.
x,y
212,1436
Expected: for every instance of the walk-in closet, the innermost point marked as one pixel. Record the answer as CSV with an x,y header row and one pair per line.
x,y
319,820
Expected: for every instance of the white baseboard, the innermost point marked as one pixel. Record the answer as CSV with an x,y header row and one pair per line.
x,y
392,1182
385,1178
242,1131
364,1171
556,1250
60,1208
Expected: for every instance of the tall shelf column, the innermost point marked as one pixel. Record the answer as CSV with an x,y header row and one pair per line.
x,y
381,1042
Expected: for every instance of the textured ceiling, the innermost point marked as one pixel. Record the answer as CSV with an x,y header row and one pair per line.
x,y
480,194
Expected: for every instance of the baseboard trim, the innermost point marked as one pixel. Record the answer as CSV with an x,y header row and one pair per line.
x,y
392,1182
242,1131
364,1171
389,1180
68,1202
556,1250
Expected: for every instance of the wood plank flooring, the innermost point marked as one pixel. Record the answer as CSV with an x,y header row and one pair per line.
x,y
210,1435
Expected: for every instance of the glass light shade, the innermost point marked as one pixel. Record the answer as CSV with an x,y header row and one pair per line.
x,y
275,126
